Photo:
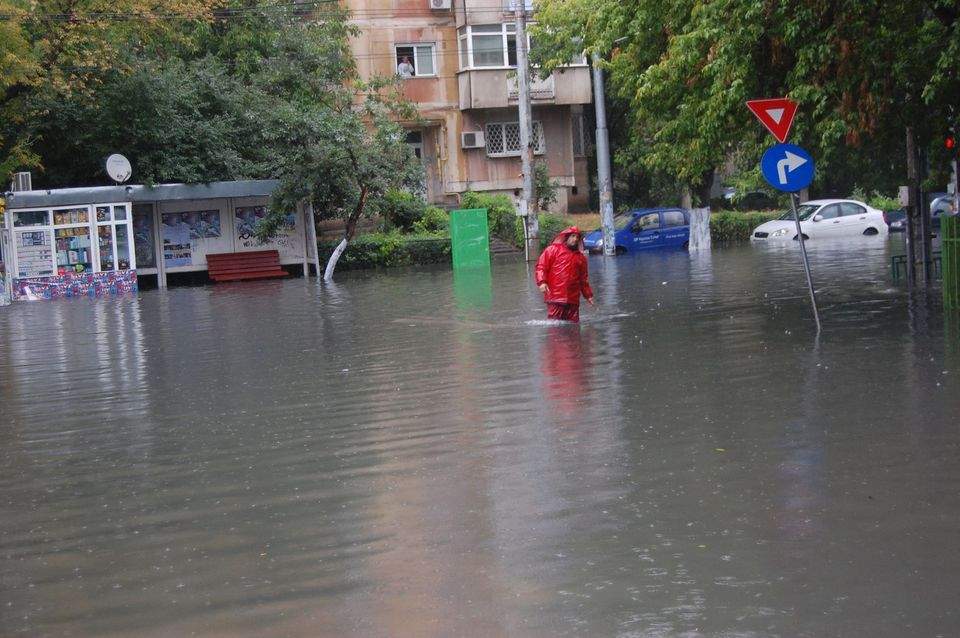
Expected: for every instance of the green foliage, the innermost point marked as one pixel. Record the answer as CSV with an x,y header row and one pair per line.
x,y
435,221
544,188
501,215
504,222
402,209
732,226
680,72
178,121
384,250
876,200
550,227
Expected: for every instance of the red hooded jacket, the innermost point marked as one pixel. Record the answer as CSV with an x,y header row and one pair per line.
x,y
564,270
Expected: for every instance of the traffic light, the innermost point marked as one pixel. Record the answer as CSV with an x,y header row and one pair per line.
x,y
950,141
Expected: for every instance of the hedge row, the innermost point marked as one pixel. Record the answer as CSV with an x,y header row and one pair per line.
x,y
731,226
385,250
504,223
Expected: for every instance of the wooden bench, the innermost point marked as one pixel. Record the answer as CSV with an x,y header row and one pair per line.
x,y
256,264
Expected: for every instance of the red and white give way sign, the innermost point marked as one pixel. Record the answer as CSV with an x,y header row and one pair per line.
x,y
776,114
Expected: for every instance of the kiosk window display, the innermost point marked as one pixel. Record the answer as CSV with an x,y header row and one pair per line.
x,y
72,251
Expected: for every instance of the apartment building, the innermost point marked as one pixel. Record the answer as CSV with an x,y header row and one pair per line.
x,y
456,59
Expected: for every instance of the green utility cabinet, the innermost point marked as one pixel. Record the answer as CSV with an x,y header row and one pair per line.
x,y
470,238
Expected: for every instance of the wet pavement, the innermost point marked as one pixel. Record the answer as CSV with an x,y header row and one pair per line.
x,y
405,453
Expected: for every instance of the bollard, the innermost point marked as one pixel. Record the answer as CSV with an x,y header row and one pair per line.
x,y
950,261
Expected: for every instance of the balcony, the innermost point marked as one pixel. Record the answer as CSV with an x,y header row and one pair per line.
x,y
497,88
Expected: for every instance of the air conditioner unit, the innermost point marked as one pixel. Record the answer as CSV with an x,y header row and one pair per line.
x,y
472,140
441,5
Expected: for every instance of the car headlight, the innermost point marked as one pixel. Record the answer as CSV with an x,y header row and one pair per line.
x,y
780,233
599,243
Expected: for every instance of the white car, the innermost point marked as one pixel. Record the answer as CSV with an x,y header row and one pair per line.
x,y
823,219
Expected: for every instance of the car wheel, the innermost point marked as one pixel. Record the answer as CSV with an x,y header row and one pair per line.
x,y
805,238
871,231
620,250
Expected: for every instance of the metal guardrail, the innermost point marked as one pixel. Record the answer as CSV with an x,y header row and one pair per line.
x,y
898,265
950,250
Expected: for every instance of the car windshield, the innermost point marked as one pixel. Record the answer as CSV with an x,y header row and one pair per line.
x,y
807,211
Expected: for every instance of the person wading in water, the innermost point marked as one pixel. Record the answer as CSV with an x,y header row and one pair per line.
x,y
562,276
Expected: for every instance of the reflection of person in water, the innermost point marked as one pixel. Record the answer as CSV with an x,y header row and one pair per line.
x,y
564,368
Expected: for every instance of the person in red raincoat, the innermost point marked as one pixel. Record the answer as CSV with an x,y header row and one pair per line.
x,y
562,276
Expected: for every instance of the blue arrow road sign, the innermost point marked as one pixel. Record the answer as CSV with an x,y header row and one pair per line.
x,y
787,167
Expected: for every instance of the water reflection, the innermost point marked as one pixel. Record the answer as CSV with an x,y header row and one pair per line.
x,y
405,453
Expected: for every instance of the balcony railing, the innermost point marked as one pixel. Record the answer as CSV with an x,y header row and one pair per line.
x,y
540,89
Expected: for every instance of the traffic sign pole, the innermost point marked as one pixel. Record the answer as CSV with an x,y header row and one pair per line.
x,y
787,168
806,262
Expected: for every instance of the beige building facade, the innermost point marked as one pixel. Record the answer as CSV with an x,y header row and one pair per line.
x,y
457,60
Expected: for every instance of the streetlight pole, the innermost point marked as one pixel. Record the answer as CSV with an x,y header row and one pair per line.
x,y
530,222
603,159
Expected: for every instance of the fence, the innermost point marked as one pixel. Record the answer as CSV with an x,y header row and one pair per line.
x,y
950,261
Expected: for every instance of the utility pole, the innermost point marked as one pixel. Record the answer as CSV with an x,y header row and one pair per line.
x,y
926,224
527,210
913,179
603,159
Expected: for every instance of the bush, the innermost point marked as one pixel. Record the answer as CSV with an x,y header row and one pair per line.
x,y
384,250
730,226
435,221
402,209
550,226
544,188
876,199
501,215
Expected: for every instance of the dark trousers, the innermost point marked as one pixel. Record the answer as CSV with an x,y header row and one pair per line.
x,y
563,311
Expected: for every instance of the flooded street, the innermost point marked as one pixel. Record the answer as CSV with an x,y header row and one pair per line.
x,y
406,453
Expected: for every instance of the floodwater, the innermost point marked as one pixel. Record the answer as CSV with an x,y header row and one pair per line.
x,y
405,453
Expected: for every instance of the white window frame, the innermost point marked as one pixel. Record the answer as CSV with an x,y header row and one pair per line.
x,y
113,223
416,64
465,39
465,43
540,141
92,228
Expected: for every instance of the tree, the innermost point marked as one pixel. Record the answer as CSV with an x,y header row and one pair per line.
x,y
681,71
195,95
63,49
343,150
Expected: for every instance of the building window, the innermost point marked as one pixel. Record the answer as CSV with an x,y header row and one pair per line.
x,y
493,46
72,240
576,122
415,60
488,46
503,139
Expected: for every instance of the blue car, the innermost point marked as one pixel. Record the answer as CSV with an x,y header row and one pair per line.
x,y
645,228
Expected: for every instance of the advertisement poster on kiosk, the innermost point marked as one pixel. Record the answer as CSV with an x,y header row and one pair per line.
x,y
246,219
177,250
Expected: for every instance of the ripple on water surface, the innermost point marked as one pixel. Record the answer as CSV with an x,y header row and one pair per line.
x,y
405,453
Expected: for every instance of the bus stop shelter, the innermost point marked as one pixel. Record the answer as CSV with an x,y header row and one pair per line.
x,y
94,240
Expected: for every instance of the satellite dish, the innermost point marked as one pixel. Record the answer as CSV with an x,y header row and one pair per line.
x,y
118,168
